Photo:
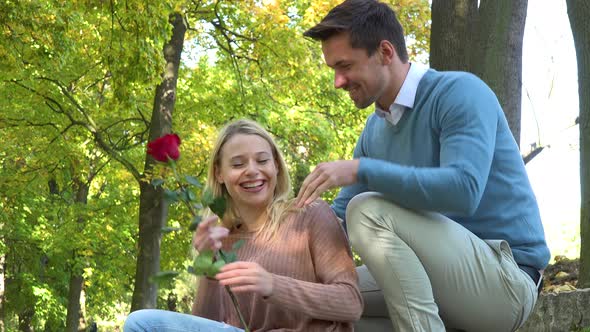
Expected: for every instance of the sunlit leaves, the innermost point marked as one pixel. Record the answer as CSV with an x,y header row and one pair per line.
x,y
81,60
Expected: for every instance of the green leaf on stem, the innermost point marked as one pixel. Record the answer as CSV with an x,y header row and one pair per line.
x,y
229,256
218,206
238,244
163,276
215,267
192,180
166,230
195,223
202,262
183,194
157,182
207,197
190,195
170,196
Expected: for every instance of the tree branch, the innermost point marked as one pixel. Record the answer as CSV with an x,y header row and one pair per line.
x,y
90,125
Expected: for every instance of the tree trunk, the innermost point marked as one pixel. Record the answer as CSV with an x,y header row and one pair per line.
x,y
578,12
152,207
2,276
497,54
486,41
451,34
25,318
76,278
73,315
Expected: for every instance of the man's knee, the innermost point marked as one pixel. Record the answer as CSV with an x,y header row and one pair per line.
x,y
370,204
359,204
363,211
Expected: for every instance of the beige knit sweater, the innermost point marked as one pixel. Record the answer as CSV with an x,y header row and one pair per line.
x,y
315,285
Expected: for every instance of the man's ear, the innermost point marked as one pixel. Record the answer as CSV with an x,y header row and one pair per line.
x,y
386,52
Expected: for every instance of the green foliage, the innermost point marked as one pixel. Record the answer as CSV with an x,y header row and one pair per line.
x,y
77,88
218,206
164,276
230,256
206,263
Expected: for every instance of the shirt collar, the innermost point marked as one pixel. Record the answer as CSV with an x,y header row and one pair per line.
x,y
407,93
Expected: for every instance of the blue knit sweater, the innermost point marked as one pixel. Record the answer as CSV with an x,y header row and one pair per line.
x,y
453,153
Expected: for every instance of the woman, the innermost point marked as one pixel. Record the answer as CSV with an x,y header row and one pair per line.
x,y
295,271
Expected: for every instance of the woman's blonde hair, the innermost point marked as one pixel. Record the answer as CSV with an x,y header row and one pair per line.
x,y
281,202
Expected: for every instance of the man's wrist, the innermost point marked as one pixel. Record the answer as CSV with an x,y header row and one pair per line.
x,y
355,172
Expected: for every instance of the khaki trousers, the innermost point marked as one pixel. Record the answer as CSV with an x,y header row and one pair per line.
x,y
434,274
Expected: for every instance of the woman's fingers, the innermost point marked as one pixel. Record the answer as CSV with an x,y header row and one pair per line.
x,y
234,269
239,280
246,277
216,234
205,223
209,236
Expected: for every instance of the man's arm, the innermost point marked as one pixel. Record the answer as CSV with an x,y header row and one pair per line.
x,y
328,175
468,122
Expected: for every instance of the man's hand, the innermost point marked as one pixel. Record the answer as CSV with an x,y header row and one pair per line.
x,y
325,177
246,277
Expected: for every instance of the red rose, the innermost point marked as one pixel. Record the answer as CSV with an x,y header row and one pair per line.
x,y
164,147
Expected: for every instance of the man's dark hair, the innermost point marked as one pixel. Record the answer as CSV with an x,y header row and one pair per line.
x,y
368,22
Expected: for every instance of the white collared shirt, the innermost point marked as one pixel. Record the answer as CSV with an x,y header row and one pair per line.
x,y
406,96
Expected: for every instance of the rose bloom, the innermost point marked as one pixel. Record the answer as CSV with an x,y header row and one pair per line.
x,y
164,147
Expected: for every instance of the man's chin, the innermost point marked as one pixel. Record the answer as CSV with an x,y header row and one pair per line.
x,y
363,104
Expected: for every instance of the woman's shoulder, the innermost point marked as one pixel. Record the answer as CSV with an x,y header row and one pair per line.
x,y
318,206
317,212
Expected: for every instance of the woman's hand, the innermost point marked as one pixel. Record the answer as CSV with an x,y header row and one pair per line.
x,y
209,236
246,277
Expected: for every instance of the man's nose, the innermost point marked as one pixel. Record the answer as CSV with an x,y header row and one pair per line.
x,y
340,80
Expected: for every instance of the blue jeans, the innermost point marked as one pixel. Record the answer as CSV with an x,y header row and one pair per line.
x,y
152,320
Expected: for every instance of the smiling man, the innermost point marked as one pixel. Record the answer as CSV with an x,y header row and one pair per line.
x,y
436,201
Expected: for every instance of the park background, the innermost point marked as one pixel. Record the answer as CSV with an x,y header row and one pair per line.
x,y
85,85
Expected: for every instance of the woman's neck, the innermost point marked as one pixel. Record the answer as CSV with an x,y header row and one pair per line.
x,y
252,219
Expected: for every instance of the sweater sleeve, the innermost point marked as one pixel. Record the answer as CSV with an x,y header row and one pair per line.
x,y
335,296
467,118
347,193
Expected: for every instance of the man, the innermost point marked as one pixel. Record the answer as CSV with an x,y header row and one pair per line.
x,y
436,201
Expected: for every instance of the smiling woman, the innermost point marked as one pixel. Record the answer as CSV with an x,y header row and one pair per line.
x,y
243,154
295,271
248,171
